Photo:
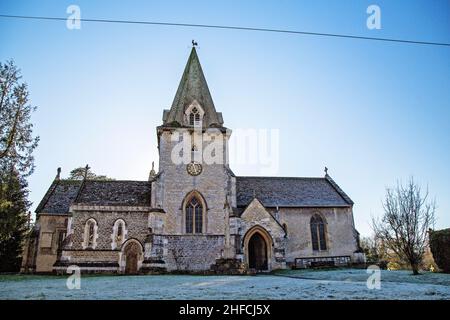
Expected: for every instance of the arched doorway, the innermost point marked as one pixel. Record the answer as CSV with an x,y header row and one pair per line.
x,y
257,252
131,254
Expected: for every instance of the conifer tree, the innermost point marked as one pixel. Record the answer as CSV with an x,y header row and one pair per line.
x,y
16,164
13,219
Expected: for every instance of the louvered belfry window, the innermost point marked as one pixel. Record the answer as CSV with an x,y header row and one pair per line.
x,y
194,117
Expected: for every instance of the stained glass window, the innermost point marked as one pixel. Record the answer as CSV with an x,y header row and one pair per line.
x,y
194,216
189,219
198,219
318,238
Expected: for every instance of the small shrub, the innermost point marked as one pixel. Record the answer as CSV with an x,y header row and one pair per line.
x,y
383,264
393,266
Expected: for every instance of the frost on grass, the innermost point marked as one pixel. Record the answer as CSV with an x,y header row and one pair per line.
x,y
288,284
356,275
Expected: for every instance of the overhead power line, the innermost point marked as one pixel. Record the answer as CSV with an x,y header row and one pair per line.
x,y
173,24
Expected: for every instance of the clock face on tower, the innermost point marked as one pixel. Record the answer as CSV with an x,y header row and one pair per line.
x,y
194,168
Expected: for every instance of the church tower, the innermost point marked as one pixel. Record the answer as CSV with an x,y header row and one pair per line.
x,y
193,186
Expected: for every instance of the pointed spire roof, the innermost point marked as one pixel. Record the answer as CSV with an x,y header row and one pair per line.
x,y
193,87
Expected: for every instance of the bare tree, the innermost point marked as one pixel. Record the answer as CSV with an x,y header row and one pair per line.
x,y
408,214
375,250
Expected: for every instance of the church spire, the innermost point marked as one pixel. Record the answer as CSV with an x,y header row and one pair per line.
x,y
192,90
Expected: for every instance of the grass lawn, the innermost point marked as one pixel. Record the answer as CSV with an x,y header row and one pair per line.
x,y
285,284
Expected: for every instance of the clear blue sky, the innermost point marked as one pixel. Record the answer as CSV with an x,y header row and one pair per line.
x,y
372,112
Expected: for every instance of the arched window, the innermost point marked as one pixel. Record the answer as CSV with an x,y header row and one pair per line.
x,y
194,117
119,233
194,215
318,233
194,114
90,234
119,237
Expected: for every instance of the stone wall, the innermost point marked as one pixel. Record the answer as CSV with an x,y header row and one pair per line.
x,y
182,252
136,227
50,227
89,261
85,256
105,256
191,252
340,234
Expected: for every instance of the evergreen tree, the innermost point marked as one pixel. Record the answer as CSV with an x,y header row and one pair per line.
x,y
13,219
16,164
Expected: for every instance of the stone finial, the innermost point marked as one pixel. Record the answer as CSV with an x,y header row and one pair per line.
x,y
326,171
194,43
58,174
152,172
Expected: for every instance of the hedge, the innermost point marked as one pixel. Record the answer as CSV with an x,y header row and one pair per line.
x,y
440,248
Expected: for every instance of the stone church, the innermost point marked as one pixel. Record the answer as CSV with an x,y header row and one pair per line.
x,y
193,215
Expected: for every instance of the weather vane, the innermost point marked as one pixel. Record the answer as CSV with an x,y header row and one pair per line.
x,y
194,43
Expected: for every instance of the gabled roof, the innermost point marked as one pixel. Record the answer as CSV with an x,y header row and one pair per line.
x,y
59,196
192,87
290,192
257,203
63,193
114,193
339,190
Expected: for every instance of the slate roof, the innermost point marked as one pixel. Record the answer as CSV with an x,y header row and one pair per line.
x,y
63,193
115,193
291,192
59,196
271,191
192,87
